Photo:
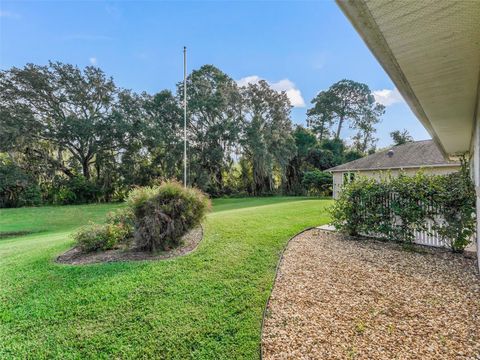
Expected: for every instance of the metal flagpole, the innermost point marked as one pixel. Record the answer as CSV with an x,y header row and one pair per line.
x,y
185,116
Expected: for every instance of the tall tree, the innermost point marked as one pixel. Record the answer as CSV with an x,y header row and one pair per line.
x,y
214,113
305,141
268,143
365,140
401,137
61,106
320,117
345,101
155,150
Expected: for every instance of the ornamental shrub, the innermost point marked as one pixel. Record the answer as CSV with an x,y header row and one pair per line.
x,y
363,208
411,204
139,195
394,208
125,219
96,237
164,213
456,199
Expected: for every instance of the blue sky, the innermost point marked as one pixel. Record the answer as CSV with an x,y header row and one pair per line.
x,y
298,46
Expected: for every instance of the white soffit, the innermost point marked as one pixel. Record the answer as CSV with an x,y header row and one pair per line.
x,y
431,50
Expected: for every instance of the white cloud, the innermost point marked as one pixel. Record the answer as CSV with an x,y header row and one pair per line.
x,y
388,97
291,90
248,80
93,60
9,14
293,93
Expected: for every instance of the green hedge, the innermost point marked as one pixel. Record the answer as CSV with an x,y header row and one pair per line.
x,y
393,208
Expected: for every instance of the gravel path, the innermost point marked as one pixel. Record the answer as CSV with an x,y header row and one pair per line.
x,y
336,298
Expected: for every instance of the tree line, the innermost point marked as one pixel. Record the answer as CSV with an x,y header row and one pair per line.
x,y
73,136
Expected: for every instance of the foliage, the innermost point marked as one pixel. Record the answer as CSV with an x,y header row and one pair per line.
x,y
17,188
214,105
411,197
347,214
119,228
65,107
78,138
268,142
401,137
456,197
96,237
166,214
75,190
397,207
124,218
140,195
346,101
317,182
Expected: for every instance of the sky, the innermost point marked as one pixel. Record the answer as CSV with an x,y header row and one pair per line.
x,y
301,47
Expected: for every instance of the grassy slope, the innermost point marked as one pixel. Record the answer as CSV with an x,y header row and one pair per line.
x,y
205,305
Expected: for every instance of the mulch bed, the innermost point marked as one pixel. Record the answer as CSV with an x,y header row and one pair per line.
x,y
339,298
75,257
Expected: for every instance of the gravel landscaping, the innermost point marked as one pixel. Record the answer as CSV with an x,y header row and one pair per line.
x,y
339,298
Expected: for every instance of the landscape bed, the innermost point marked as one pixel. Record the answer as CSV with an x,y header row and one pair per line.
x,y
75,256
343,298
206,304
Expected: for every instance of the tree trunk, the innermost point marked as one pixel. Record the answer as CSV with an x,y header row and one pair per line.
x,y
340,123
86,169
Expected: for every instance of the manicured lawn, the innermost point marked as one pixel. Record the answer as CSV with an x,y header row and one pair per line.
x,y
206,305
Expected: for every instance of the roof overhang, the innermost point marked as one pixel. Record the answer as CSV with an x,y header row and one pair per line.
x,y
431,51
396,168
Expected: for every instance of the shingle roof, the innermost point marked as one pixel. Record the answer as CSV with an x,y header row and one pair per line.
x,y
415,154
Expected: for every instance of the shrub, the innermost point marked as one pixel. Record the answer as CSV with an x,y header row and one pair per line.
x,y
355,213
411,204
96,237
125,219
139,195
456,199
163,214
396,208
17,188
317,182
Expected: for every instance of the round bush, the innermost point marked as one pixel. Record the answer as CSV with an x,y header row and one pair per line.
x,y
163,214
125,220
99,237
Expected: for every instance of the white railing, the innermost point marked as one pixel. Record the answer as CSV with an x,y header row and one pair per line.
x,y
429,236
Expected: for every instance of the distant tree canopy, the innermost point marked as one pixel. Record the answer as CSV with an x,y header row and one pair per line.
x,y
71,136
401,137
346,103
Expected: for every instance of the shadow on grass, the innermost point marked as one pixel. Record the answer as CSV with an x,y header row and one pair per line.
x,y
225,204
12,234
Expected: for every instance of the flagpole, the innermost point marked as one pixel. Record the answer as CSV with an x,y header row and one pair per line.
x,y
185,116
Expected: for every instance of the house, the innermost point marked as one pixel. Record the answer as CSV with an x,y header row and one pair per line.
x,y
431,51
408,158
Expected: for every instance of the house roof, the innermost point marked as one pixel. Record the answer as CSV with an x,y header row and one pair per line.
x,y
416,154
431,50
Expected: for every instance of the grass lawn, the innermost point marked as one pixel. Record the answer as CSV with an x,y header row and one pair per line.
x,y
205,305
